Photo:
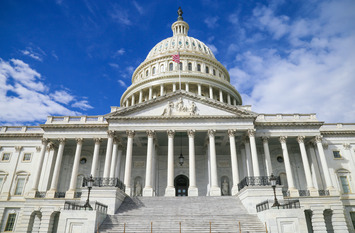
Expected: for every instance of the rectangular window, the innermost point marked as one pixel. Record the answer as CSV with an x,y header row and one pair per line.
x,y
5,157
345,184
26,157
19,186
10,223
352,215
336,154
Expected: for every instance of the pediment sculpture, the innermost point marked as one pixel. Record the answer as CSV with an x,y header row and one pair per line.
x,y
179,108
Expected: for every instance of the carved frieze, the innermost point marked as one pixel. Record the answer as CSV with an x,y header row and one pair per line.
x,y
180,108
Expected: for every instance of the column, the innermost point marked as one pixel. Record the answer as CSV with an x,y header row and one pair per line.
x,y
325,167
140,96
148,189
108,157
187,87
174,87
211,92
220,95
133,100
74,174
318,223
170,189
119,159
234,162
193,191
267,156
306,167
39,168
150,93
291,186
229,99
95,159
58,163
114,158
234,102
161,89
128,166
199,92
248,157
215,189
254,154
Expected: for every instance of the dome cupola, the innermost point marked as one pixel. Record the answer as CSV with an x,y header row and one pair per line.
x,y
200,72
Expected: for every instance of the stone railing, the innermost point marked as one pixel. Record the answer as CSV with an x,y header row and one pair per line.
x,y
105,182
40,194
286,117
257,181
76,120
21,129
286,204
323,192
75,206
59,195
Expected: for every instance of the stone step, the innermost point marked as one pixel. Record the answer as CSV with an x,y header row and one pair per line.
x,y
194,213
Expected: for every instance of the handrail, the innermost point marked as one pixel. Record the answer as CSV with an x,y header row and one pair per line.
x,y
74,206
105,182
257,181
288,204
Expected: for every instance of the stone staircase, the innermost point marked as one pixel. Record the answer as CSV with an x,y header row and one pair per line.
x,y
194,213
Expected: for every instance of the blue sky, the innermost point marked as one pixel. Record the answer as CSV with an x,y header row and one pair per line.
x,y
64,57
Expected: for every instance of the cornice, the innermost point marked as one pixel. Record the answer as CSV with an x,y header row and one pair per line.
x,y
286,124
47,126
348,132
21,135
178,117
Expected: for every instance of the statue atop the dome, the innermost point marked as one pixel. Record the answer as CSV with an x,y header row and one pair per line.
x,y
180,18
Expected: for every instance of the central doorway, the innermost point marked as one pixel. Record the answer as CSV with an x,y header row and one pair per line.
x,y
181,183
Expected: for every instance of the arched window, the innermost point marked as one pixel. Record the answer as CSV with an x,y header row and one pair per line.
x,y
171,66
180,65
198,67
189,66
207,70
153,70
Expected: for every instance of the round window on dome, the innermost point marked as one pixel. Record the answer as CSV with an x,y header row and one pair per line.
x,y
83,161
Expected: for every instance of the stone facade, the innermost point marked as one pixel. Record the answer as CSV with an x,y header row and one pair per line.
x,y
193,112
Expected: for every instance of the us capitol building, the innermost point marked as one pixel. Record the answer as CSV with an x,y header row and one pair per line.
x,y
181,147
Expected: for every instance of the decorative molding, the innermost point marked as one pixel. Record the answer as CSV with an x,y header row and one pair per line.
x,y
300,139
130,133
191,132
51,146
110,133
211,132
251,132
79,140
170,132
61,140
231,132
179,108
38,148
318,138
44,140
150,133
18,148
346,146
265,139
97,140
282,139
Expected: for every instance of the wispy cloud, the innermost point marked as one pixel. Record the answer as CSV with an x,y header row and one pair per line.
x,y
138,7
114,65
213,48
119,52
35,53
211,21
24,97
122,83
120,16
82,104
312,72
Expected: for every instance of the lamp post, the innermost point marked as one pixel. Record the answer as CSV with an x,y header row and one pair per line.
x,y
181,157
90,184
273,185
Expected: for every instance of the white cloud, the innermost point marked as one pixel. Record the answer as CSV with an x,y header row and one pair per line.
x,y
213,48
83,105
138,7
120,16
62,97
24,98
121,51
35,53
114,65
122,83
211,21
312,75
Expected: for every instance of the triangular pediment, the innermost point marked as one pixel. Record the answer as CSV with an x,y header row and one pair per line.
x,y
181,104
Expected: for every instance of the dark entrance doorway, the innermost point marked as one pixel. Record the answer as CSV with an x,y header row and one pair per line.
x,y
181,183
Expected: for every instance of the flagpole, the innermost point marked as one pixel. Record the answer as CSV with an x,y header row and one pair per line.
x,y
179,70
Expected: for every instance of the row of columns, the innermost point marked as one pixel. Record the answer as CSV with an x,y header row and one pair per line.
x,y
114,156
228,98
